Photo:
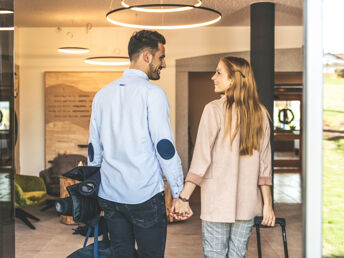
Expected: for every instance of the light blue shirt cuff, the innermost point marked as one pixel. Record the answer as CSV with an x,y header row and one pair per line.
x,y
176,189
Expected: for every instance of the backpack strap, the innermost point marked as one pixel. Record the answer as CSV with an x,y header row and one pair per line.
x,y
87,235
95,235
106,234
95,246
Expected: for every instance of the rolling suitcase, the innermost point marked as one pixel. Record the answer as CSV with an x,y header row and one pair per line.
x,y
282,223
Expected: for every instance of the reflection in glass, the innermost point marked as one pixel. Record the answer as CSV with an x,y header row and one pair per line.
x,y
287,149
5,187
287,116
287,155
4,116
7,239
5,152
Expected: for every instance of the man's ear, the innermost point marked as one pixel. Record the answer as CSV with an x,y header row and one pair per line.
x,y
147,56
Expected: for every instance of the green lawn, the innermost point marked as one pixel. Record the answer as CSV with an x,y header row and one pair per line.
x,y
333,119
333,173
333,199
334,94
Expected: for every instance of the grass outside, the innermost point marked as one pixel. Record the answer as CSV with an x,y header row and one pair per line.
x,y
334,94
333,204
333,173
334,120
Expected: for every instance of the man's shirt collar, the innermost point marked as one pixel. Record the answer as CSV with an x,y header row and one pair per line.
x,y
135,72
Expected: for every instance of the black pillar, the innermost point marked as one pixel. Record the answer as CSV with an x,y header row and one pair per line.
x,y
7,168
263,50
263,54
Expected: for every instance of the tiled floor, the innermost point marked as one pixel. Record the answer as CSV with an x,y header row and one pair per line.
x,y
287,188
52,239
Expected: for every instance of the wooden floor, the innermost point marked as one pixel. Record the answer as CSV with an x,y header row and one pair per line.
x,y
184,239
52,239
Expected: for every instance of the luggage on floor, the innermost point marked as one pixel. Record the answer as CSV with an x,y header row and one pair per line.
x,y
282,223
99,249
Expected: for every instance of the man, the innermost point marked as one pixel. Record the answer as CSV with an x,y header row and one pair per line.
x,y
131,139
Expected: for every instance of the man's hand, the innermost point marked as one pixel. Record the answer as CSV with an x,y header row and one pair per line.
x,y
268,216
181,210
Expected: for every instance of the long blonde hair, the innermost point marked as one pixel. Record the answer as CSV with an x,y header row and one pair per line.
x,y
243,93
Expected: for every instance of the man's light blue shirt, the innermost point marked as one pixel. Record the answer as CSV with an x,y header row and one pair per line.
x,y
131,140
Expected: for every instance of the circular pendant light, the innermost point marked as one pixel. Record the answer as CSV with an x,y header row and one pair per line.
x,y
5,11
128,17
161,10
108,60
73,50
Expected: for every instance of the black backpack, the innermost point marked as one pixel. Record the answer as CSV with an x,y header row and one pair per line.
x,y
82,202
83,205
99,249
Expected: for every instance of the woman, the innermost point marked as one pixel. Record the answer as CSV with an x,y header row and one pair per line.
x,y
231,163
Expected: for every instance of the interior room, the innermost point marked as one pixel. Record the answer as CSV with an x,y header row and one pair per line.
x,y
54,92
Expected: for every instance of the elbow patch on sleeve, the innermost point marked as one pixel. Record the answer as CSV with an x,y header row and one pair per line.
x,y
166,149
90,152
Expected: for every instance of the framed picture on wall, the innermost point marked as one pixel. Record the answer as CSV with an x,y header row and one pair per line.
x,y
68,106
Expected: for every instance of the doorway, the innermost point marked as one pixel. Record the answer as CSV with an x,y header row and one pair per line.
x,y
201,92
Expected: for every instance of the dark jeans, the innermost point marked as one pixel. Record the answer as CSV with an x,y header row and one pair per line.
x,y
145,223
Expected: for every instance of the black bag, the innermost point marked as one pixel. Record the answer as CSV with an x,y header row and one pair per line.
x,y
82,202
84,207
81,173
99,249
83,229
90,186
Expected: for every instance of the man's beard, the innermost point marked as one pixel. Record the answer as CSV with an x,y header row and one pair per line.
x,y
154,73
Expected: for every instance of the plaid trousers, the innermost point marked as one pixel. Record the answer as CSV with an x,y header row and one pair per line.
x,y
226,240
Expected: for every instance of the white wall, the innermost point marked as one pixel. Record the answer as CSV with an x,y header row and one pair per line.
x,y
36,52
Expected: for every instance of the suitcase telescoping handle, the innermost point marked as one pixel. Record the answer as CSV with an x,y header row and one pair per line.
x,y
281,221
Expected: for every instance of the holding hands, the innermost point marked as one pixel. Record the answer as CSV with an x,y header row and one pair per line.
x,y
181,209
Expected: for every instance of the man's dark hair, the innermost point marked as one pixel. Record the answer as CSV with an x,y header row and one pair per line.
x,y
143,39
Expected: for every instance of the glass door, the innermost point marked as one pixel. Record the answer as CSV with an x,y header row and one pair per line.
x,y
288,130
7,129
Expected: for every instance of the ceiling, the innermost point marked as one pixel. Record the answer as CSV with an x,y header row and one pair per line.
x,y
75,13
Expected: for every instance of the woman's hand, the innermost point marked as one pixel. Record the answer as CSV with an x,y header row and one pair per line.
x,y
268,215
268,212
181,210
